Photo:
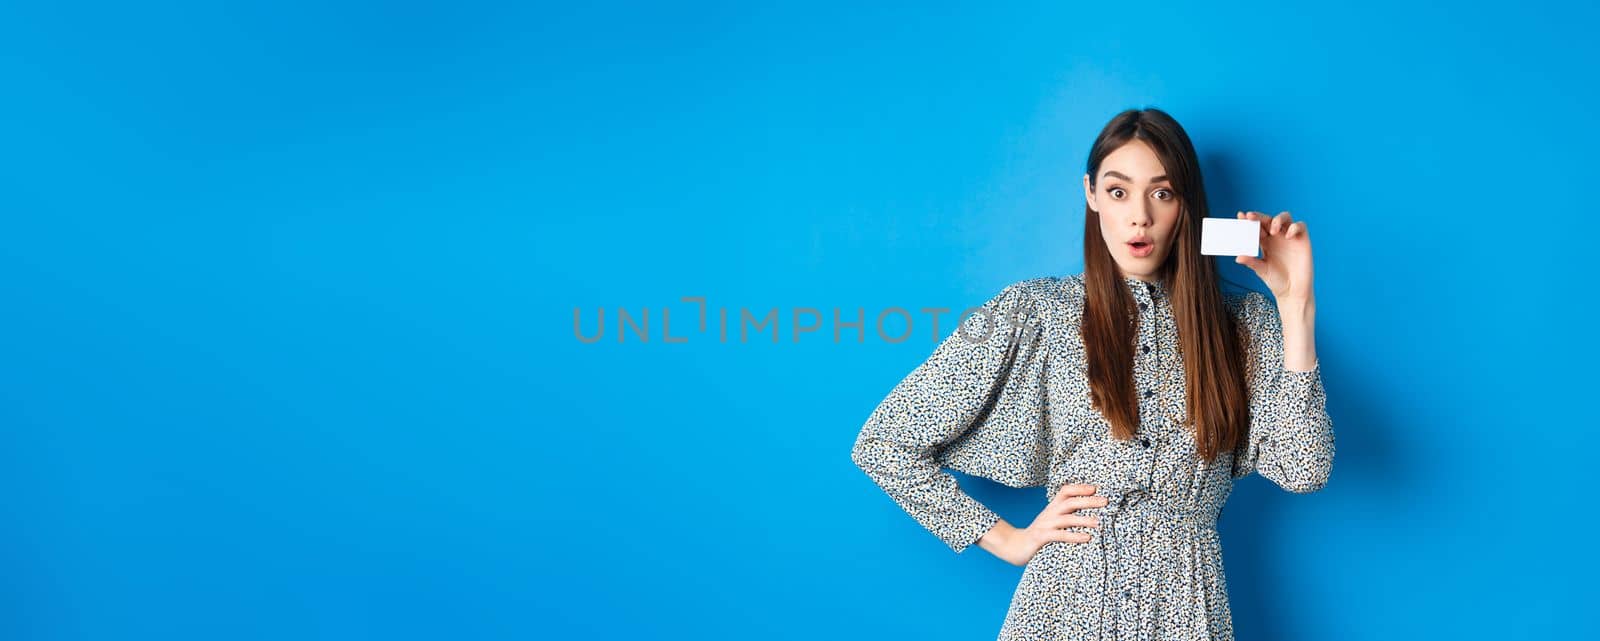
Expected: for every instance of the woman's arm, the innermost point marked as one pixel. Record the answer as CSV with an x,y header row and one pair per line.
x,y
980,376
1290,439
1291,436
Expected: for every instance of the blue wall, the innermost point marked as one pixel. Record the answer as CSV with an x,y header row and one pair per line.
x,y
288,346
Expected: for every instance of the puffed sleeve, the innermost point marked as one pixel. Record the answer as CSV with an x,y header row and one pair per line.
x,y
976,405
1291,435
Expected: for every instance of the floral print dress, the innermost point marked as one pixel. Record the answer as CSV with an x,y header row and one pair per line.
x,y
1006,397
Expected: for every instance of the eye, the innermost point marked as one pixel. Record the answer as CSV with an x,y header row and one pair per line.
x,y
1169,193
1115,192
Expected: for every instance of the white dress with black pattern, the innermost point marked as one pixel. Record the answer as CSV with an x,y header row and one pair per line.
x,y
1006,397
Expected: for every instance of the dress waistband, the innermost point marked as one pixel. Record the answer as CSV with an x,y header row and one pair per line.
x,y
1121,552
1119,502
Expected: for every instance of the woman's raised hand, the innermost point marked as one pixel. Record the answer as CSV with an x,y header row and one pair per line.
x,y
1285,265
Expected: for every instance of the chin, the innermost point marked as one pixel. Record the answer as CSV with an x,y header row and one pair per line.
x,y
1148,267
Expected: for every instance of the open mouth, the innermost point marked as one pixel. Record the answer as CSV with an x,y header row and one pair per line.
x,y
1141,247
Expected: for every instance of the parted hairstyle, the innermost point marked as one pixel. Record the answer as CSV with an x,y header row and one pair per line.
x,y
1213,348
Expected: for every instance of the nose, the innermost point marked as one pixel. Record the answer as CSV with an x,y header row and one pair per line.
x,y
1142,217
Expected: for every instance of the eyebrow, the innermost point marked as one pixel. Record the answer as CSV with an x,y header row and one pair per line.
x,y
1113,174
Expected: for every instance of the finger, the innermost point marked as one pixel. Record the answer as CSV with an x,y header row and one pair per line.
x,y
1299,227
1074,503
1260,219
1281,221
1075,520
1068,536
1075,489
1266,233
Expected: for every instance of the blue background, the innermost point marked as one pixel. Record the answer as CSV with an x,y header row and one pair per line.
x,y
288,346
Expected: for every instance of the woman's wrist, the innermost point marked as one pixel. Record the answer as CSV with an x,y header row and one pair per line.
x,y
998,539
1297,307
1298,317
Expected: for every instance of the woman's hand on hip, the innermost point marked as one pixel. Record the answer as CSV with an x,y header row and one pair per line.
x,y
1018,546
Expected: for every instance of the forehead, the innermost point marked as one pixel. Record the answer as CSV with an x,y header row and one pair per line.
x,y
1136,160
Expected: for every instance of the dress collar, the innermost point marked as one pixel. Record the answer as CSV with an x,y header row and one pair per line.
x,y
1145,290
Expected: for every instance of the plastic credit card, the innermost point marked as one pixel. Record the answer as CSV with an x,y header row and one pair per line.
x,y
1229,237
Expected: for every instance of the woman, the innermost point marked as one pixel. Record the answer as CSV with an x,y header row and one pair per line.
x,y
1136,392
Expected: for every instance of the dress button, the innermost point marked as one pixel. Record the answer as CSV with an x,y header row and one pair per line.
x,y
1147,349
1143,441
1127,594
1149,393
1143,306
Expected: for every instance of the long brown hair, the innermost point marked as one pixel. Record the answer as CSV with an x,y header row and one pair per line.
x,y
1207,337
